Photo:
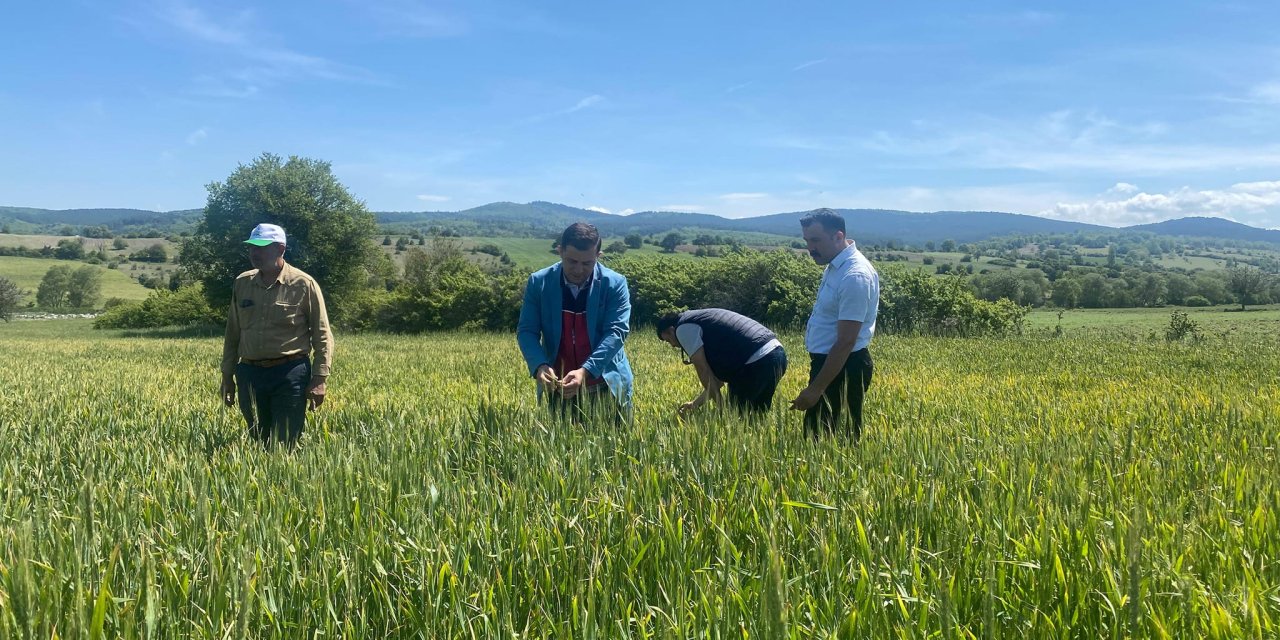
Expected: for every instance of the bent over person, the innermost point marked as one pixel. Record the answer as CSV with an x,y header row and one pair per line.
x,y
727,348
839,330
276,321
573,322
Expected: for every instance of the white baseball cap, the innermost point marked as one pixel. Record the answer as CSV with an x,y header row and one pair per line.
x,y
265,234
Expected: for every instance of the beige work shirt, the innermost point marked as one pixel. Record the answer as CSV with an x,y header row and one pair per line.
x,y
277,319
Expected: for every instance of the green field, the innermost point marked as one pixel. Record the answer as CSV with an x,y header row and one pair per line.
x,y
1261,321
27,273
1030,488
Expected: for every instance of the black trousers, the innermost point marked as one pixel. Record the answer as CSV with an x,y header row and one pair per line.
x,y
273,399
751,388
594,404
840,409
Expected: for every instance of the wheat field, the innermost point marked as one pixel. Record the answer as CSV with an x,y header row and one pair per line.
x,y
1033,487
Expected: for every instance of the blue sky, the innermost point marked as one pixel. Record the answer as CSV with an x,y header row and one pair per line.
x,y
1109,112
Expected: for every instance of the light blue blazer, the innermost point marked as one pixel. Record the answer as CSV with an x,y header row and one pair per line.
x,y
608,323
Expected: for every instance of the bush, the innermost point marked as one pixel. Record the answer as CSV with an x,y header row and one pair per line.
x,y
1196,301
441,290
163,308
153,253
1180,327
912,301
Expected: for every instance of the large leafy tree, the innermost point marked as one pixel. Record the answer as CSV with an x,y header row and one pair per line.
x,y
330,233
1249,284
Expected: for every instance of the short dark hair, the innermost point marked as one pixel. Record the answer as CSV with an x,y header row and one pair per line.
x,y
667,321
581,236
828,218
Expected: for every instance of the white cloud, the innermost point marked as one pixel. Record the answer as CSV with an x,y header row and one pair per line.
x,y
626,212
808,64
1123,187
682,207
1267,92
239,36
598,209
743,196
195,137
586,103
430,197
414,18
1255,203
1060,141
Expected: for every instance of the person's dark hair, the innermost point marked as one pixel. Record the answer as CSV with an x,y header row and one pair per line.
x,y
667,321
581,236
828,218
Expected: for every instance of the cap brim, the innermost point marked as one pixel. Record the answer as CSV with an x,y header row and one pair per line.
x,y
259,242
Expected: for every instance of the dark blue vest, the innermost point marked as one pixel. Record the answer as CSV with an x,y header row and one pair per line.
x,y
728,338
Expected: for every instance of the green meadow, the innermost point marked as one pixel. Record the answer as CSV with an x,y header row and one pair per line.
x,y
1083,486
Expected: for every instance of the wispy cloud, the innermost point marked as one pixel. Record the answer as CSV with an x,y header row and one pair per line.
x,y
1019,19
693,208
430,197
414,18
1060,141
591,101
1256,203
586,103
743,196
738,87
197,136
806,65
1123,188
265,63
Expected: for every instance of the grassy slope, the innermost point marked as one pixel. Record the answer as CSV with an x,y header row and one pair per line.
x,y
27,273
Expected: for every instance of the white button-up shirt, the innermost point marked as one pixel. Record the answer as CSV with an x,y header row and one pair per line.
x,y
850,290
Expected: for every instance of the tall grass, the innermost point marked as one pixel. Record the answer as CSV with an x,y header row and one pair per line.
x,y
1028,488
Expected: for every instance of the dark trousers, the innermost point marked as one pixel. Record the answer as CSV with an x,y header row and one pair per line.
x,y
751,387
273,399
840,409
593,404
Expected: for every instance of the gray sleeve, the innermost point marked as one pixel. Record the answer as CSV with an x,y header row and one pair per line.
x,y
689,335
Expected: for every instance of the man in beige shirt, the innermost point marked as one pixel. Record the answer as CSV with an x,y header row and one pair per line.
x,y
277,319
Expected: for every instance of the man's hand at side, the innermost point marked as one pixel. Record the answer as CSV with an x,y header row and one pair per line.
x,y
228,391
315,393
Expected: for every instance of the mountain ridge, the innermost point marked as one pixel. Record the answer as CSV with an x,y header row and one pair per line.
x,y
544,219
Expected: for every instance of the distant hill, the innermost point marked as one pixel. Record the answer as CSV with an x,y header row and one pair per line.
x,y
29,220
545,219
1209,228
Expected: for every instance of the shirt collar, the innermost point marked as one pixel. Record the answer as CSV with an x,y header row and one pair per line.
x,y
586,284
843,256
279,277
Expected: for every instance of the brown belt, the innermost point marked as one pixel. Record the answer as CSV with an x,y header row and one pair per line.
x,y
273,362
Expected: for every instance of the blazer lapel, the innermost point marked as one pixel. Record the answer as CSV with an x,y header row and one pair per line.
x,y
593,307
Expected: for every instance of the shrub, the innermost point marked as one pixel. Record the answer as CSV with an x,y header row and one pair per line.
x,y
163,308
1180,327
912,301
1196,301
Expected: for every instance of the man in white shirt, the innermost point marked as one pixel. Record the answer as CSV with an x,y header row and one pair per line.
x,y
839,329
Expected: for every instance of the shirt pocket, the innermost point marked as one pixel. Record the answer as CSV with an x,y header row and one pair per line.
x,y
286,313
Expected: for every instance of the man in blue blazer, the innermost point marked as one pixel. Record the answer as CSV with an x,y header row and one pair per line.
x,y
575,317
